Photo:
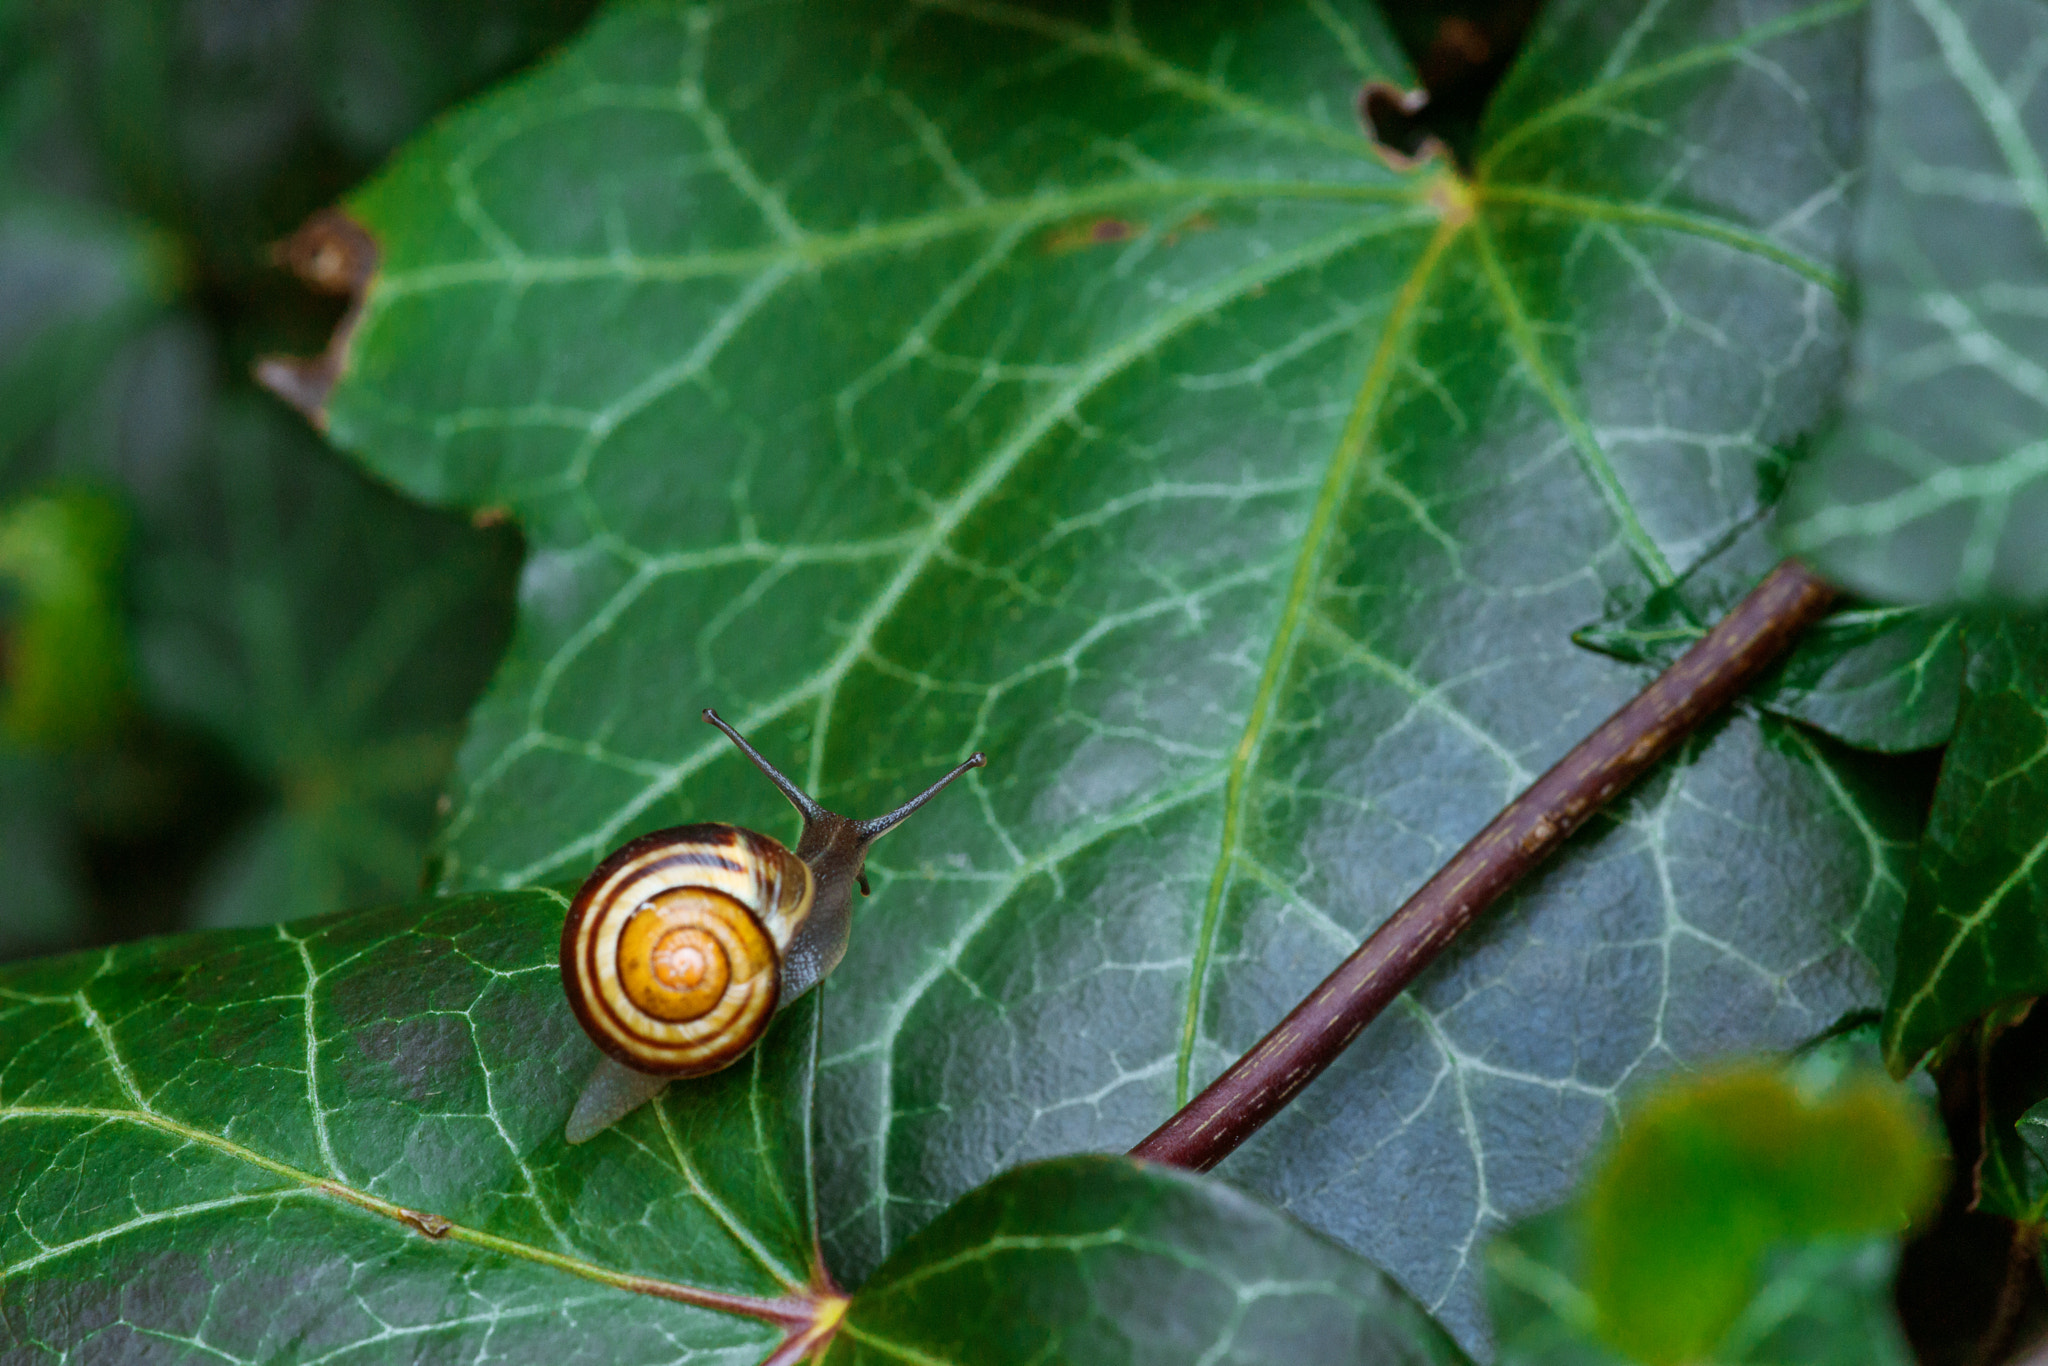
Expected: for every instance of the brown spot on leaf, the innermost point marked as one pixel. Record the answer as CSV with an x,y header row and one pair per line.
x,y
335,255
1089,232
331,252
490,515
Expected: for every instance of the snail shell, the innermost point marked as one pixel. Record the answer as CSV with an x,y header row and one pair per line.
x,y
672,951
683,943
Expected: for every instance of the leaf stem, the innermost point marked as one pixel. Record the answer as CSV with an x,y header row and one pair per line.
x,y
1703,680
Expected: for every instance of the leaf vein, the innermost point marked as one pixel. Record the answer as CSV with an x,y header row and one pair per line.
x,y
1707,54
1593,460
1344,461
953,511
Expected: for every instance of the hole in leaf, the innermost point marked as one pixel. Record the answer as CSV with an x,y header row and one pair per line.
x,y
1394,118
1461,49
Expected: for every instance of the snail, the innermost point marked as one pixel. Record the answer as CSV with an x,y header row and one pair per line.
x,y
683,943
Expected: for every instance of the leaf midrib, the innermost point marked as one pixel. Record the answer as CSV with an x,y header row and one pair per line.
x,y
1593,208
1593,461
1966,926
1336,487
798,1307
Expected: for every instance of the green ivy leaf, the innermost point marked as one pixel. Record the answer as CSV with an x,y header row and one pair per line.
x,y
1101,1259
2033,1133
345,1137
1827,1304
1975,932
1734,1219
905,379
1936,484
327,632
227,130
1708,1177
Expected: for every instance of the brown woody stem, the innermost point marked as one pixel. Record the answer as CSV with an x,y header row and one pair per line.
x,y
1706,678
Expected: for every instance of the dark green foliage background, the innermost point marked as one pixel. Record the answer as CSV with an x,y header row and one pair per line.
x,y
305,644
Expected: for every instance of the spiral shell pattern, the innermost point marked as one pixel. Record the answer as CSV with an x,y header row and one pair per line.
x,y
672,951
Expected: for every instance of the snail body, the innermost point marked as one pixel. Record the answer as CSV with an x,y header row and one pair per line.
x,y
682,944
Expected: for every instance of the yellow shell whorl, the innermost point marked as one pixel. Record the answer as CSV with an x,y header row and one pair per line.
x,y
671,954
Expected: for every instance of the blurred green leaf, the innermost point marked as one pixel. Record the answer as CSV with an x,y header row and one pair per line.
x,y
69,675
42,909
75,282
231,124
338,687
1975,932
333,635
1086,1260
1085,388
1936,485
381,68
1709,1175
1731,1220
1825,1304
